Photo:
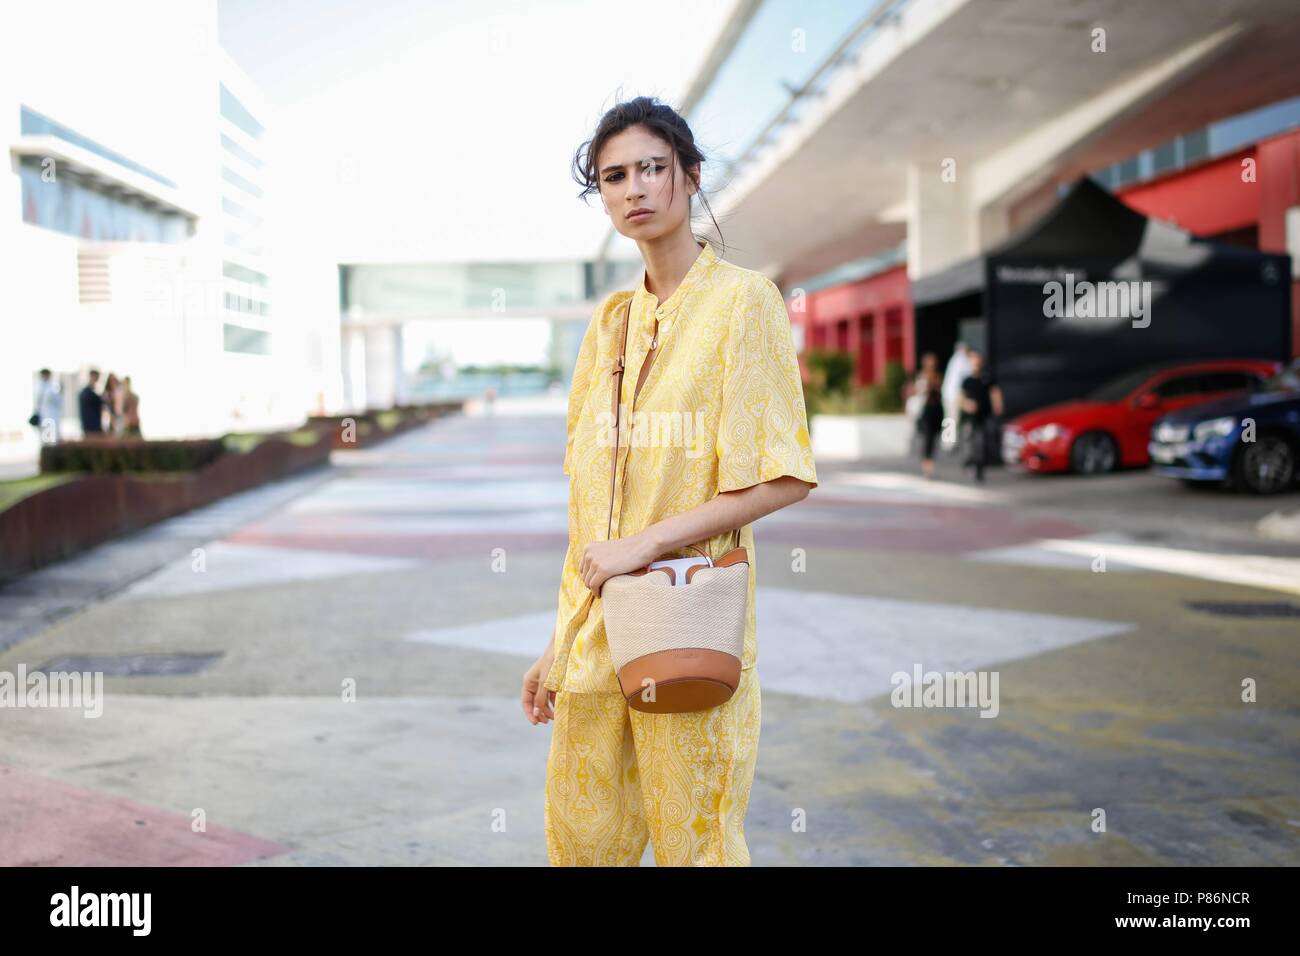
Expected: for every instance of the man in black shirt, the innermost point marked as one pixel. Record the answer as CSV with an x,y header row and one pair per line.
x,y
981,399
91,406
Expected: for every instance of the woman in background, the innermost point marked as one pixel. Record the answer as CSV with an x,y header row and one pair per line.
x,y
928,387
130,409
112,396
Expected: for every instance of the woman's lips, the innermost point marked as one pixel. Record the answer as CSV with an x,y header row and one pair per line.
x,y
638,216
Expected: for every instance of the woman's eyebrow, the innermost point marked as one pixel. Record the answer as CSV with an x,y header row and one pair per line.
x,y
657,159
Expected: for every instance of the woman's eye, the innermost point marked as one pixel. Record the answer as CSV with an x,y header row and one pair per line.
x,y
613,177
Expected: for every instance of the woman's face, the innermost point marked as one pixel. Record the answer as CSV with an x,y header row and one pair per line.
x,y
638,170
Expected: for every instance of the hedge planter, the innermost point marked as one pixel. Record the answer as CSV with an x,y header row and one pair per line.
x,y
96,489
68,518
364,429
109,453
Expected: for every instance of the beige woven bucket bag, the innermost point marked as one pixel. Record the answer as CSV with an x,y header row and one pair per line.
x,y
676,634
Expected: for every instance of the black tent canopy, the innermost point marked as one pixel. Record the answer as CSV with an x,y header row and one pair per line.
x,y
1095,289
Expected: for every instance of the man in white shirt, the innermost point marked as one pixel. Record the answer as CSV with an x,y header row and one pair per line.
x,y
957,372
49,407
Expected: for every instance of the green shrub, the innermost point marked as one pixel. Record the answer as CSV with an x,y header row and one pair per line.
x,y
117,455
887,396
109,455
831,370
241,443
831,391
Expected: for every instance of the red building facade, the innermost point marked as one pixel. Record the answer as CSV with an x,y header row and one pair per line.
x,y
869,318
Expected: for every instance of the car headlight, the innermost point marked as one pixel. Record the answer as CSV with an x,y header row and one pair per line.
x,y
1170,433
1214,428
1045,432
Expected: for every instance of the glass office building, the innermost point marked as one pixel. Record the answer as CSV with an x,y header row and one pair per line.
x,y
246,284
74,202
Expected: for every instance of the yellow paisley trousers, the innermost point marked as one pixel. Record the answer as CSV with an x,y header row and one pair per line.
x,y
727,375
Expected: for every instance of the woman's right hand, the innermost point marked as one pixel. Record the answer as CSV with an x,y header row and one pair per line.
x,y
535,698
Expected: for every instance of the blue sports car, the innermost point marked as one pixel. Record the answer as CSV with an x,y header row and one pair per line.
x,y
1251,441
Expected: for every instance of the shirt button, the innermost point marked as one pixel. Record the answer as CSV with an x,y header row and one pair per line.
x,y
659,311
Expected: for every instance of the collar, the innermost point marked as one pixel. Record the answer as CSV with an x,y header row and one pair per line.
x,y
703,262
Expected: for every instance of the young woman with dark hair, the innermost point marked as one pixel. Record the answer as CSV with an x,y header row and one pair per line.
x,y
710,343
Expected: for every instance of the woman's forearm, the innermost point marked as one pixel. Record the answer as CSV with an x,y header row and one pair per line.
x,y
725,512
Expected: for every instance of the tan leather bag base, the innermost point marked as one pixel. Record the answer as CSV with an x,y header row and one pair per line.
x,y
683,696
683,679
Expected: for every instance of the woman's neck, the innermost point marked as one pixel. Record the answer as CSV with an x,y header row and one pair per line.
x,y
667,260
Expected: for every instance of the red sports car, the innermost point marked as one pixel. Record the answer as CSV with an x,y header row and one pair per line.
x,y
1112,427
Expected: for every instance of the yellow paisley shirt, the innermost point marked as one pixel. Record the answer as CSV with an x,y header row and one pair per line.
x,y
721,409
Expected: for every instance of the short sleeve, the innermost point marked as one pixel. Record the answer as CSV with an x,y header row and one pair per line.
x,y
763,425
582,370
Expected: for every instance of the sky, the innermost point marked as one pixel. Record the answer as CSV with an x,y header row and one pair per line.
x,y
447,130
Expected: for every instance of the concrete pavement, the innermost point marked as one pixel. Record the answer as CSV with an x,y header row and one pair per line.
x,y
361,706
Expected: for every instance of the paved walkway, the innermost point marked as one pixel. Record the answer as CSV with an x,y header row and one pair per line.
x,y
356,661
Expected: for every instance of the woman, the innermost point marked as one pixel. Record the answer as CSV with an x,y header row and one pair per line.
x,y
715,346
928,388
130,409
112,404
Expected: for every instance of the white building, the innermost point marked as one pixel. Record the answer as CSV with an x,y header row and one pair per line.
x,y
138,229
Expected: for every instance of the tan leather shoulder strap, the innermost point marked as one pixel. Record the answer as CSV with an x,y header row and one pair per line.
x,y
617,390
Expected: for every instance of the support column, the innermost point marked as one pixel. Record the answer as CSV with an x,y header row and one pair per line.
x,y
908,318
880,341
942,228
353,359
383,363
855,350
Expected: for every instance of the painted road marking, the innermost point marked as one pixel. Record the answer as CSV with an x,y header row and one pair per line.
x,y
230,566
1252,570
838,646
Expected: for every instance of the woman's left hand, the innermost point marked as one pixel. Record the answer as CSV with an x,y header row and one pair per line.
x,y
601,560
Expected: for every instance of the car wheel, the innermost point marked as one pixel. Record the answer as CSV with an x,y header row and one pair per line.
x,y
1267,465
1093,453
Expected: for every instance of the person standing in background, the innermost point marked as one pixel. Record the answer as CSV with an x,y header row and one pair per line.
x,y
956,372
113,403
91,406
130,409
927,388
48,415
981,401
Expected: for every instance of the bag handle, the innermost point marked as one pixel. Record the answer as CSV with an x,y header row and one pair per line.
x,y
617,376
